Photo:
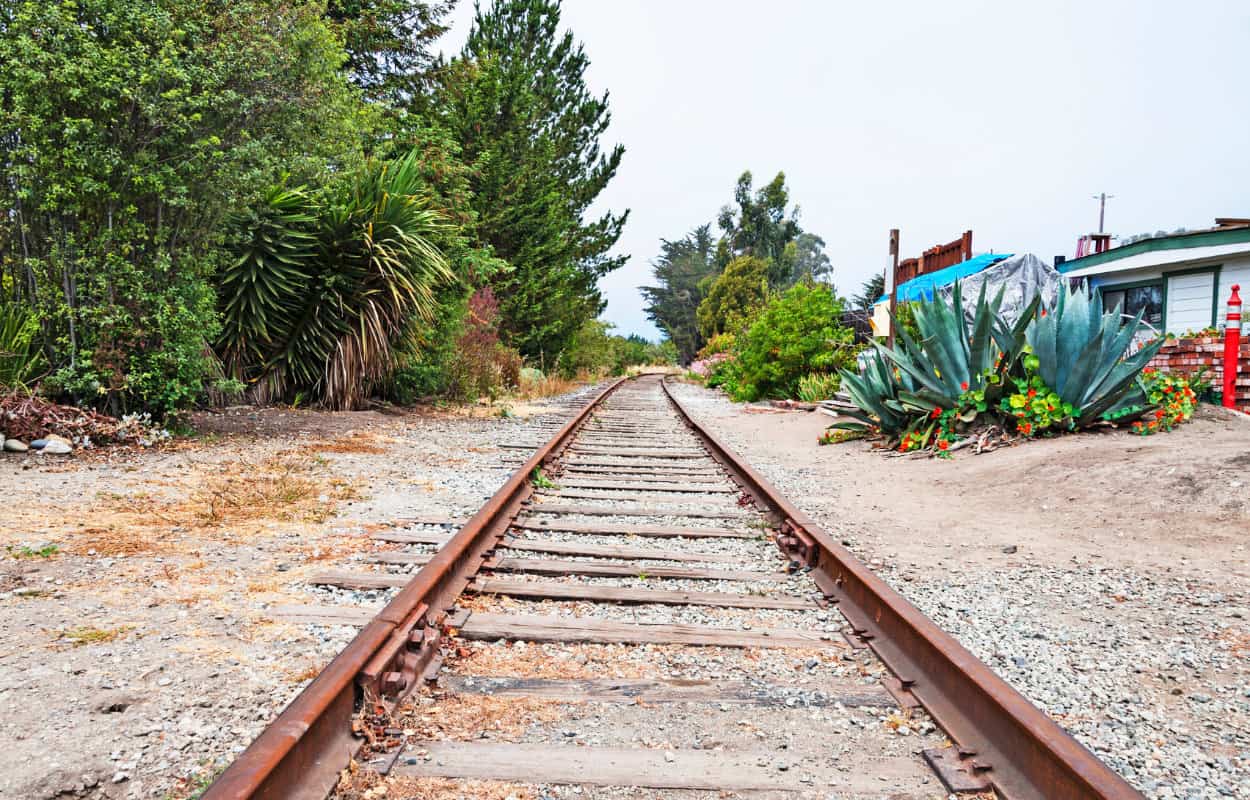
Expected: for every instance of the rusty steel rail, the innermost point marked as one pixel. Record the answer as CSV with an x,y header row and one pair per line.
x,y
300,754
1001,737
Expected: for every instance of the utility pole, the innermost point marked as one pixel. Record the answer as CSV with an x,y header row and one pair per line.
x,y
1102,198
891,282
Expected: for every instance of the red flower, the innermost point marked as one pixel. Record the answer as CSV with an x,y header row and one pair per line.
x,y
964,386
937,412
943,444
1159,414
1043,312
1032,393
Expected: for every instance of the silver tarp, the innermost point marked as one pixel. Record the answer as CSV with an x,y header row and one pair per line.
x,y
1022,276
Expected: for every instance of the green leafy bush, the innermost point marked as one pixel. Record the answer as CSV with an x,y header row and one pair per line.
x,y
129,130
797,333
733,298
818,386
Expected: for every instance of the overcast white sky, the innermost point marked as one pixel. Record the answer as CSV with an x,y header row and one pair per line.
x,y
930,117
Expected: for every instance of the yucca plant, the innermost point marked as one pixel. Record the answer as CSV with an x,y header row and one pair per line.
x,y
265,287
20,360
1080,354
321,294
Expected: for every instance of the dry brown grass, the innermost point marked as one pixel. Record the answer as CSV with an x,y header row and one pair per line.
x,y
120,538
346,445
365,784
465,717
582,661
282,488
78,637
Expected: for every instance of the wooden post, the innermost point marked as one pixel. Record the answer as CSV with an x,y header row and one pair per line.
x,y
892,281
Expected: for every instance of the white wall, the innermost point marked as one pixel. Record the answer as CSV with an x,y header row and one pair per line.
x,y
1233,271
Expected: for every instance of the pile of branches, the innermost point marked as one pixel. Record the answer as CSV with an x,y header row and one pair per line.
x,y
27,417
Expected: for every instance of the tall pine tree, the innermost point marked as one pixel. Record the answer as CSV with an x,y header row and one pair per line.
x,y
680,271
517,101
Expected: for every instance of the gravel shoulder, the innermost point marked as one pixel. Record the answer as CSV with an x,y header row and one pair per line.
x,y
1105,576
136,654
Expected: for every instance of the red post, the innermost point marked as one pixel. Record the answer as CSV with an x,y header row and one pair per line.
x,y
1232,344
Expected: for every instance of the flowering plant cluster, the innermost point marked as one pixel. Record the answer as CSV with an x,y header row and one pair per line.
x,y
1036,408
1174,397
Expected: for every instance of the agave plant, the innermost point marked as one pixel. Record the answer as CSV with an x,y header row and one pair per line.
x,y
319,296
949,363
1079,352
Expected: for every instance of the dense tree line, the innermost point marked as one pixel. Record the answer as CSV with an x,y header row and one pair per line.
x,y
293,200
706,287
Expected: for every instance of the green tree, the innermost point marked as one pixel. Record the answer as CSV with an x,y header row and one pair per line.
x,y
734,297
805,260
680,272
388,44
796,334
129,129
517,103
759,225
871,291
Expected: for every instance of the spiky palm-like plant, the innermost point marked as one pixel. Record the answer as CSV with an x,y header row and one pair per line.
x,y
318,305
20,359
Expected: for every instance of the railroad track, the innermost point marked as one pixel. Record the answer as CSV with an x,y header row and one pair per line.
x,y
638,608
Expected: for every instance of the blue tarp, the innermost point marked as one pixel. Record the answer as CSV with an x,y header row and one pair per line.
x,y
923,285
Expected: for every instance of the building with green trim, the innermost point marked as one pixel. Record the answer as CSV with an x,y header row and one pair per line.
x,y
1180,281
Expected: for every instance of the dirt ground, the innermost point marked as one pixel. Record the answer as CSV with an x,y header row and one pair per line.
x,y
1174,502
135,650
1104,575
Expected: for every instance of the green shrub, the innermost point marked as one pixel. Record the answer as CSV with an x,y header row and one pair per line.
x,y
818,386
734,297
796,334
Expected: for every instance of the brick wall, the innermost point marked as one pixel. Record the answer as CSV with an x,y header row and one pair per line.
x,y
1187,355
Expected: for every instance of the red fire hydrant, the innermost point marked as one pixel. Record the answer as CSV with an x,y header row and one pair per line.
x,y
1232,346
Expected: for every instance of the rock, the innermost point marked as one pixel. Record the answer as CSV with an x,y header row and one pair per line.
x,y
39,444
57,448
1011,549
15,446
114,702
52,437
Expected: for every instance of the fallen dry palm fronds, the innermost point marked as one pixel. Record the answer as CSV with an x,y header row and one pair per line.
x,y
346,445
28,417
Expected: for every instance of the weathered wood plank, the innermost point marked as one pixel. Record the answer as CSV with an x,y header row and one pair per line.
x,y
632,511
660,531
324,615
613,551
574,493
617,452
544,546
605,766
644,485
607,569
546,590
535,628
644,690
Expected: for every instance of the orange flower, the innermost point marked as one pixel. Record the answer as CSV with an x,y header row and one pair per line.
x,y
943,444
1032,393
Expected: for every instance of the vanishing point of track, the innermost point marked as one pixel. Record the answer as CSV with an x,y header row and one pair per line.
x,y
628,460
